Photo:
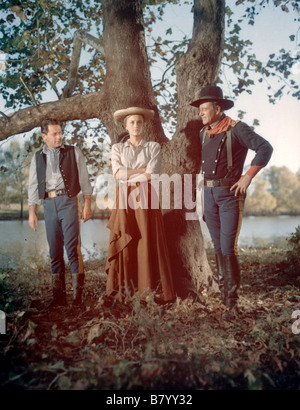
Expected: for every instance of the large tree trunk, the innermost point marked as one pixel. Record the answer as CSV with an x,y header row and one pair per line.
x,y
128,79
198,67
128,83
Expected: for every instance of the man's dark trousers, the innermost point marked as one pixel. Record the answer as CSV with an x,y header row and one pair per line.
x,y
223,213
62,229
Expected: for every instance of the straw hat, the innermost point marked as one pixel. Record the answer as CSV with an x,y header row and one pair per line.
x,y
213,93
120,115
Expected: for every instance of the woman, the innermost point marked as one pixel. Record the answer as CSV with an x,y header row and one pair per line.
x,y
138,258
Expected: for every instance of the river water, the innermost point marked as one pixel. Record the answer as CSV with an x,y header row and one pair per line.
x,y
19,244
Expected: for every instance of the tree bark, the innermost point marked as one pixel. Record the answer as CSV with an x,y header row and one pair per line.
x,y
198,67
128,83
80,107
79,37
128,79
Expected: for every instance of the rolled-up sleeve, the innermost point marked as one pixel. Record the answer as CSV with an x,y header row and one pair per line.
x,y
33,195
84,180
153,166
116,162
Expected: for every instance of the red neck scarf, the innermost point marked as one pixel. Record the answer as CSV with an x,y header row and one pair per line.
x,y
224,125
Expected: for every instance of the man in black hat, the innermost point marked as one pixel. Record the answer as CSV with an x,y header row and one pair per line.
x,y
225,144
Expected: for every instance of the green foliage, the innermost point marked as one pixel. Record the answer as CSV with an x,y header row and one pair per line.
x,y
276,191
10,297
38,39
293,254
254,7
285,188
4,290
14,171
260,202
90,137
248,70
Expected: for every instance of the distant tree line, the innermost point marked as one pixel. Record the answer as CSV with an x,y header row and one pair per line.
x,y
14,171
275,191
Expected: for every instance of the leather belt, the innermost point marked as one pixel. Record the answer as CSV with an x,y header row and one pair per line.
x,y
55,193
211,183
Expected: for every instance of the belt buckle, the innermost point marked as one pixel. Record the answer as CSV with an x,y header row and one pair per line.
x,y
210,183
59,192
51,194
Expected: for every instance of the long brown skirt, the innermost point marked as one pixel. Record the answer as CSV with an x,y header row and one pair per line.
x,y
138,259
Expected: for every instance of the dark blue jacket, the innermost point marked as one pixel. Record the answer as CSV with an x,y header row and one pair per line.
x,y
214,151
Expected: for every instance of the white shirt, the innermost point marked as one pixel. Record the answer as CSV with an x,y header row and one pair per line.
x,y
146,155
54,180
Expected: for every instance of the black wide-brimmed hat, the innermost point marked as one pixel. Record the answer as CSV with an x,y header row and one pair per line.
x,y
213,93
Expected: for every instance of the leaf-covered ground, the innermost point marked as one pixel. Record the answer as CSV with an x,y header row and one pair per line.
x,y
147,346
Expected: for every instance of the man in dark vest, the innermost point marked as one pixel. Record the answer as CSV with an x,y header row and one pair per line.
x,y
224,144
57,174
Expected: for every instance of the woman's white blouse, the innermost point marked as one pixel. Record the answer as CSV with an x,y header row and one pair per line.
x,y
146,155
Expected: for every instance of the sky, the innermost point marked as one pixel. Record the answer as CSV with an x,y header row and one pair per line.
x,y
279,123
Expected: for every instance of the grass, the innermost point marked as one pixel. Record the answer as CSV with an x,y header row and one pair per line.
x,y
145,346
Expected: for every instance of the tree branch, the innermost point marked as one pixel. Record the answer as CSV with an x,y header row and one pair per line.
x,y
55,89
29,92
74,108
79,37
80,107
164,75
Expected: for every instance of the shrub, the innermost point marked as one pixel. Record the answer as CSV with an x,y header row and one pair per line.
x,y
293,253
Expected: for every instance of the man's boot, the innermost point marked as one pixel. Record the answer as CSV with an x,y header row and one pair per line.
x,y
232,284
59,290
220,270
77,282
